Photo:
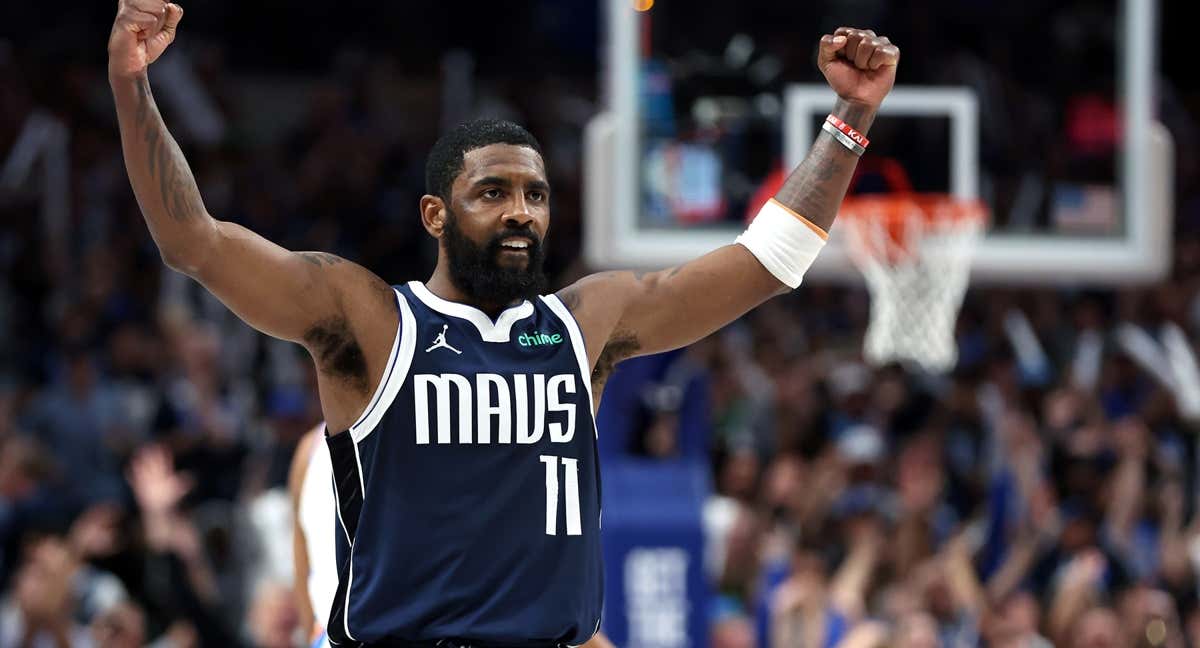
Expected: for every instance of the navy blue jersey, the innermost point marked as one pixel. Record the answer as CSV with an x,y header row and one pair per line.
x,y
469,490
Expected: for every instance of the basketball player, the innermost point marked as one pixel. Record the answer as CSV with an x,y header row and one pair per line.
x,y
313,532
459,411
314,522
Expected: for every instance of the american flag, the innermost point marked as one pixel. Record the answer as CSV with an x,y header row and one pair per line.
x,y
1084,209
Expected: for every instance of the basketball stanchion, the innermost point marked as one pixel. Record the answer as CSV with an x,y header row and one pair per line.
x,y
914,250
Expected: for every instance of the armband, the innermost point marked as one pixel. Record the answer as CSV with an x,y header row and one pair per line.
x,y
785,242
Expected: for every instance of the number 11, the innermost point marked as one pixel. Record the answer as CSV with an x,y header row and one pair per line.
x,y
571,467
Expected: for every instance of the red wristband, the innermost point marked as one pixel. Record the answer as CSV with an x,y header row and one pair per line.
x,y
848,131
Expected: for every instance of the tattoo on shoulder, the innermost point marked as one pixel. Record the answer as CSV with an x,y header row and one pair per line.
x,y
572,296
320,259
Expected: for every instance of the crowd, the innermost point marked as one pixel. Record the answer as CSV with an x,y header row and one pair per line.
x,y
1005,504
1026,499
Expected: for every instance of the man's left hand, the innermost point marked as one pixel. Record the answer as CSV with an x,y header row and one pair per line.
x,y
859,66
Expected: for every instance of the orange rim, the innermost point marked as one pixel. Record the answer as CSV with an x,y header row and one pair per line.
x,y
905,217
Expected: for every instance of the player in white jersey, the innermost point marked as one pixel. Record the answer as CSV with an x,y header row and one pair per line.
x,y
313,518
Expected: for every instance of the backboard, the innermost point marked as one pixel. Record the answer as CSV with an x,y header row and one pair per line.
x,y
660,191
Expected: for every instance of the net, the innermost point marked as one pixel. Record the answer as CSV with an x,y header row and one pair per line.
x,y
914,250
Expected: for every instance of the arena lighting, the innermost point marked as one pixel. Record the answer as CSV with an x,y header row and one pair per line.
x,y
643,5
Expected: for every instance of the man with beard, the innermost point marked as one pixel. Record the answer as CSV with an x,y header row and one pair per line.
x,y
459,411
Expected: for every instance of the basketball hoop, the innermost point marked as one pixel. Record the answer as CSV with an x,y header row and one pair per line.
x,y
914,250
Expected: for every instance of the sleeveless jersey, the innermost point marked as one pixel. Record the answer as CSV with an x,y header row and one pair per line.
x,y
469,490
319,524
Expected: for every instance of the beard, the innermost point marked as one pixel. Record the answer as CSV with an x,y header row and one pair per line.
x,y
476,270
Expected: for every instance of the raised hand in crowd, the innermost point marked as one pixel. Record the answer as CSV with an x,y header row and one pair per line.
x,y
156,485
159,489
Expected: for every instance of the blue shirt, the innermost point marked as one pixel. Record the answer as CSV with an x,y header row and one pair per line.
x,y
469,490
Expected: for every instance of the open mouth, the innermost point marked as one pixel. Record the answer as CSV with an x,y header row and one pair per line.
x,y
516,244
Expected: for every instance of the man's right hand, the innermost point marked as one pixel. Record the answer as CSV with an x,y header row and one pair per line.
x,y
344,315
141,33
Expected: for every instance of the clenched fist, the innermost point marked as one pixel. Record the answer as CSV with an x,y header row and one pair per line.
x,y
859,66
141,33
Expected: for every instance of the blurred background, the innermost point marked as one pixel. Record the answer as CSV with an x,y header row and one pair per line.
x,y
764,487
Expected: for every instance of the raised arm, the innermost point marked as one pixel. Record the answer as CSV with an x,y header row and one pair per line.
x,y
626,313
343,314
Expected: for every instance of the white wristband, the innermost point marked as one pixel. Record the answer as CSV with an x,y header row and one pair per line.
x,y
785,242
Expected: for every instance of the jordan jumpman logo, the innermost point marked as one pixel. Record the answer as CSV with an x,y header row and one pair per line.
x,y
441,343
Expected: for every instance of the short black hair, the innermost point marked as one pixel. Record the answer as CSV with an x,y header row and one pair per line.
x,y
446,159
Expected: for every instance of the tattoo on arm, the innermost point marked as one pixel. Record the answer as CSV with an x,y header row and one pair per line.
x,y
817,186
622,345
176,186
321,259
